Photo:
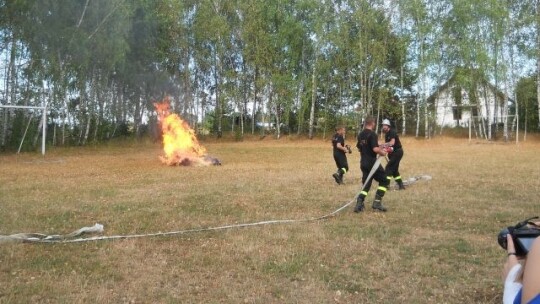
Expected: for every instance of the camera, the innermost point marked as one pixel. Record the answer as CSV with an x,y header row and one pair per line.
x,y
348,148
523,235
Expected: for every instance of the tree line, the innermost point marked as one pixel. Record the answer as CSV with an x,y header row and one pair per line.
x,y
255,66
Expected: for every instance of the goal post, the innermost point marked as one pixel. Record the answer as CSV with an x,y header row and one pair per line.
x,y
43,122
479,127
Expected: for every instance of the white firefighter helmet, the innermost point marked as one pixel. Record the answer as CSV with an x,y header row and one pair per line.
x,y
386,122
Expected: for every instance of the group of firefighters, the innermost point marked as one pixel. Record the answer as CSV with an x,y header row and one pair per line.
x,y
370,150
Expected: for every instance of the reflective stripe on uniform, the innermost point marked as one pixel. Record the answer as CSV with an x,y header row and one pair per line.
x,y
383,189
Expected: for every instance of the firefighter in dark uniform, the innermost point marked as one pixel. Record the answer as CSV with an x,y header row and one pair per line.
x,y
340,150
395,153
369,148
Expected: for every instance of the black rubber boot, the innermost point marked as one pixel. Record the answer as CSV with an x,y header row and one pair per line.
x,y
400,184
340,173
377,204
359,204
337,178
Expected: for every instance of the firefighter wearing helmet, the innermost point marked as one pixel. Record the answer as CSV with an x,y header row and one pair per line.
x,y
395,153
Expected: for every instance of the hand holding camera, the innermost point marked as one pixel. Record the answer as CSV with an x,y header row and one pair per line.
x,y
523,235
521,271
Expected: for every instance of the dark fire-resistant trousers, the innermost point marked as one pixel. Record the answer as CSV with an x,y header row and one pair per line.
x,y
392,168
379,176
341,161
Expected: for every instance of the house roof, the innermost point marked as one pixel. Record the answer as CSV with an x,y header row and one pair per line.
x,y
480,79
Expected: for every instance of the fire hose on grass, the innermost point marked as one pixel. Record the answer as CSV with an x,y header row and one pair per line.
x,y
75,237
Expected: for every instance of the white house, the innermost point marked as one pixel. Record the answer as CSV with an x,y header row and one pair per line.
x,y
455,104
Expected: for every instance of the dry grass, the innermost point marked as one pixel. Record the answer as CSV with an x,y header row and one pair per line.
x,y
437,244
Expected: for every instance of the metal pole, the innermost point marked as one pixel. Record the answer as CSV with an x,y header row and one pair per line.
x,y
25,131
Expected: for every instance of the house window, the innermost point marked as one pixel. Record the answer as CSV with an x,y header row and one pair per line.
x,y
474,111
456,111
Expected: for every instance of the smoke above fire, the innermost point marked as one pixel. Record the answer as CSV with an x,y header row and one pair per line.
x,y
180,143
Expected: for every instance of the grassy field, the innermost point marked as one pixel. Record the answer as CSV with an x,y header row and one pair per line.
x,y
437,243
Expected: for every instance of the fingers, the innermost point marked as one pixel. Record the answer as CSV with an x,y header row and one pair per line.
x,y
510,244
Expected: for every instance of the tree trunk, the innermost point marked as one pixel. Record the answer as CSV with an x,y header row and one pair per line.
x,y
10,89
426,119
496,105
233,118
4,127
65,117
219,103
40,124
242,123
90,101
188,92
5,111
402,99
54,135
278,119
300,106
423,74
65,100
263,117
245,97
513,81
362,112
538,60
369,97
505,116
204,101
378,113
38,132
143,109
255,96
486,128
100,101
313,99
418,105
526,122
136,114
488,114
326,111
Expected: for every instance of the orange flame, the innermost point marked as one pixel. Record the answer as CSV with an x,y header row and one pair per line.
x,y
179,141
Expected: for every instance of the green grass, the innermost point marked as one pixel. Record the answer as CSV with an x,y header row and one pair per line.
x,y
437,243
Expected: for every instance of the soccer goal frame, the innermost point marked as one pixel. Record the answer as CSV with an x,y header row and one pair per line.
x,y
44,123
512,119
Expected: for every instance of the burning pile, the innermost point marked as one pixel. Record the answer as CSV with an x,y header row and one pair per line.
x,y
180,144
